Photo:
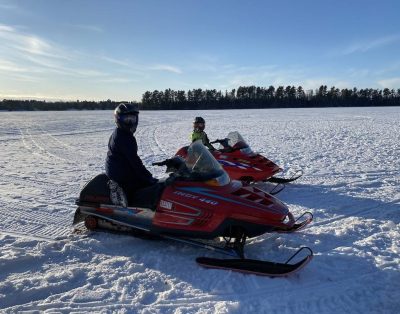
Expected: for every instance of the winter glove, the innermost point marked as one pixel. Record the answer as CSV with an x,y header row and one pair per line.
x,y
170,179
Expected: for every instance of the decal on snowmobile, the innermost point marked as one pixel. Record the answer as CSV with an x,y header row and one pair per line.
x,y
236,164
232,164
182,218
186,195
165,204
197,212
196,197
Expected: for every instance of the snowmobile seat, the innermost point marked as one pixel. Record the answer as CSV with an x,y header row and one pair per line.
x,y
96,190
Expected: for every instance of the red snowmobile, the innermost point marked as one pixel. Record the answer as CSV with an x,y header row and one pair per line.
x,y
241,163
197,204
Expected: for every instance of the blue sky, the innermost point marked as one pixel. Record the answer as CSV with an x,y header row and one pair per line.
x,y
98,50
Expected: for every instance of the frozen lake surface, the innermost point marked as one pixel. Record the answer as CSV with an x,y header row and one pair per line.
x,y
351,164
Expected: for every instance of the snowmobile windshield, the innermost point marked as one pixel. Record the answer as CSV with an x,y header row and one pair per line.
x,y
237,142
203,166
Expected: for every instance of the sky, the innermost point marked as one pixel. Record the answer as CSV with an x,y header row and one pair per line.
x,y
99,50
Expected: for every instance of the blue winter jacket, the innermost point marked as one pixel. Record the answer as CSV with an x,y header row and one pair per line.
x,y
123,164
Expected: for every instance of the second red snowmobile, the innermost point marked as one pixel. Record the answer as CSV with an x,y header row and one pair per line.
x,y
197,202
241,163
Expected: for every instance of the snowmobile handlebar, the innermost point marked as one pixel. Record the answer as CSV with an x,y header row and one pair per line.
x,y
223,142
160,163
216,141
173,164
174,161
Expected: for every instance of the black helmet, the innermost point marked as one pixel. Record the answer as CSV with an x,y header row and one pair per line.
x,y
199,120
127,116
199,124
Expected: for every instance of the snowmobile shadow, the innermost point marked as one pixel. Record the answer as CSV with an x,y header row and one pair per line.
x,y
328,203
341,220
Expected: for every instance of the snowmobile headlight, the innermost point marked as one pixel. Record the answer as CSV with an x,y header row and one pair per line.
x,y
221,180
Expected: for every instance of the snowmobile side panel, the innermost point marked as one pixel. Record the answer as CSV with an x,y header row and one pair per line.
x,y
297,175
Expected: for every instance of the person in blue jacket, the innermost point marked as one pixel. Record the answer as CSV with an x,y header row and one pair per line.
x,y
123,165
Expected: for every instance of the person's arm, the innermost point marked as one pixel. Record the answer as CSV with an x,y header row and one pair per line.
x,y
206,142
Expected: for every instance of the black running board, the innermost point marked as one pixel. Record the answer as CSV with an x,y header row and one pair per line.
x,y
257,267
297,175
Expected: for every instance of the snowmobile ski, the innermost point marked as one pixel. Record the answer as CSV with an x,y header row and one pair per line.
x,y
258,267
294,177
297,225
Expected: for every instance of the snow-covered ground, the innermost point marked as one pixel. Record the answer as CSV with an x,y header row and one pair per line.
x,y
350,157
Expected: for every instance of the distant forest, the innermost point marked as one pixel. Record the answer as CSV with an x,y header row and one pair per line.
x,y
245,97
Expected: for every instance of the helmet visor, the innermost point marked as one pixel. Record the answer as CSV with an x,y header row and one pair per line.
x,y
130,119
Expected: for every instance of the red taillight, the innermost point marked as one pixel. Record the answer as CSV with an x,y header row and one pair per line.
x,y
91,222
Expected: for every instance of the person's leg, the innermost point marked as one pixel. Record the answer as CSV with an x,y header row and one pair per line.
x,y
117,194
147,197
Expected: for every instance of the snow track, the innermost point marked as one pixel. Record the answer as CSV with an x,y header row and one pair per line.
x,y
38,222
351,185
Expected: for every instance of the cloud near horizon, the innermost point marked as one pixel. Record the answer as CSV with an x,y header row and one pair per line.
x,y
391,83
371,44
167,68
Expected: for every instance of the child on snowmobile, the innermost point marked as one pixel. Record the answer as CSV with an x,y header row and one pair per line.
x,y
198,133
123,165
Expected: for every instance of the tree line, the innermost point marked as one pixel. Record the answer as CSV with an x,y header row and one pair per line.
x,y
244,97
33,105
269,97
